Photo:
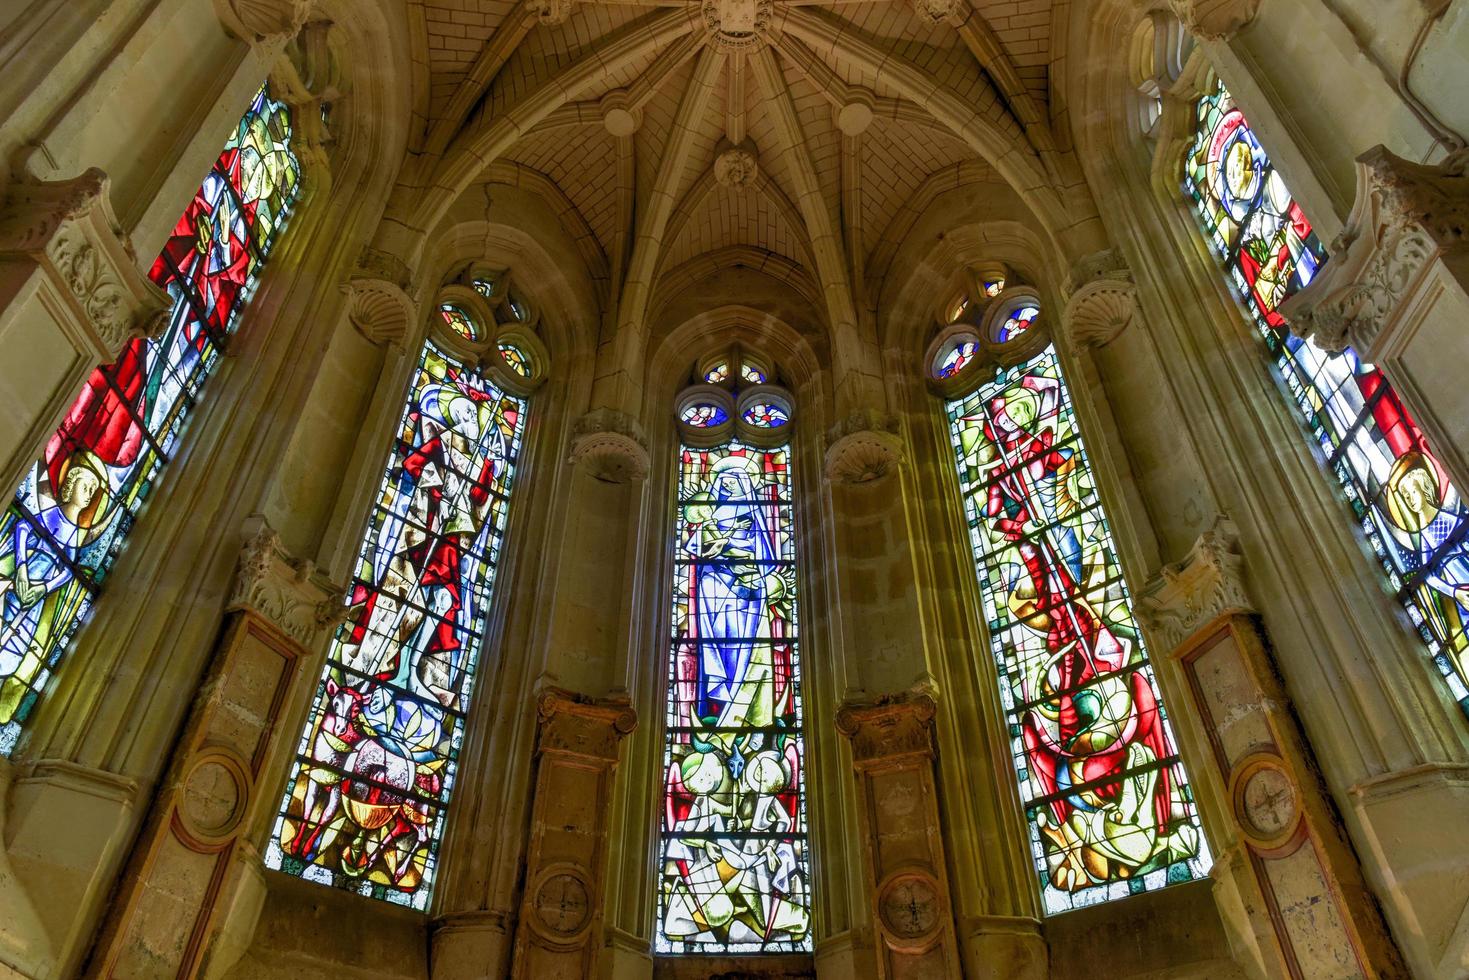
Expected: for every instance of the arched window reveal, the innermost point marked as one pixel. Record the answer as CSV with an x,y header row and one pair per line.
x,y
1106,798
1412,514
734,875
365,804
75,507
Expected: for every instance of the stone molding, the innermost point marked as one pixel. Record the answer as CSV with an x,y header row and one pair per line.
x,y
1215,20
1205,585
1405,216
1102,300
285,591
67,227
864,448
611,445
262,21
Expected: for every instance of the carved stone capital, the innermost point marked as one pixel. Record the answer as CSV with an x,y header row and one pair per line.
x,y
611,445
307,76
894,724
379,309
1205,585
262,21
581,725
1215,20
1103,299
864,448
68,229
286,591
1405,216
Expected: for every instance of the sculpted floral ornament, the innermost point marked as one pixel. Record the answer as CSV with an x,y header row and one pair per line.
x,y
936,11
1205,585
864,449
1405,216
736,167
611,445
285,591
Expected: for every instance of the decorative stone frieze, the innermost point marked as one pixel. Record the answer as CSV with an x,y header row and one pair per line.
x,y
559,932
737,24
864,448
262,20
1215,20
1102,300
1206,584
893,753
68,230
1292,890
194,873
611,445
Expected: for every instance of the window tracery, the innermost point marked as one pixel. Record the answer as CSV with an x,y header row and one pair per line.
x,y
1107,802
1401,496
734,870
74,509
365,804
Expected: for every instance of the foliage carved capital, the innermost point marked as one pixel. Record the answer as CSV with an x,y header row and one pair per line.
x,y
864,448
611,445
262,21
286,591
67,227
1208,583
1102,299
1215,20
1405,216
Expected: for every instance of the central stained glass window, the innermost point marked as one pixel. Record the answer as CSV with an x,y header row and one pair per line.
x,y
734,875
365,803
1106,799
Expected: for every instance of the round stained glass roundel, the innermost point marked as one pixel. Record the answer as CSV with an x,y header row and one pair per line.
x,y
516,359
957,358
1018,321
765,415
459,321
704,415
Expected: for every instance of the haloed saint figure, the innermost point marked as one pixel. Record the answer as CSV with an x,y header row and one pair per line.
x,y
734,873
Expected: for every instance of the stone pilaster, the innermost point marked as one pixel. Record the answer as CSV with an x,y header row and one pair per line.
x,y
1397,291
893,753
70,286
559,932
193,886
1288,884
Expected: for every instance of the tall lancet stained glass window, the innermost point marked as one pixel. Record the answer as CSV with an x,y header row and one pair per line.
x,y
68,519
1106,799
365,803
1400,493
734,874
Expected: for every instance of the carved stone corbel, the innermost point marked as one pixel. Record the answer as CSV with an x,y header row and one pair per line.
x,y
893,753
559,932
307,77
379,309
285,591
1294,895
1102,300
1215,20
864,448
611,445
68,230
262,21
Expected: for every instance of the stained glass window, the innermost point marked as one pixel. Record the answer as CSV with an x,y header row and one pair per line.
x,y
516,359
734,876
1016,323
717,373
957,358
752,374
1399,492
994,287
365,803
459,321
704,415
1108,805
766,415
76,505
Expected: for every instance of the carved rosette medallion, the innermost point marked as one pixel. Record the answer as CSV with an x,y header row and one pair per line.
x,y
909,908
213,797
1266,803
736,167
737,25
611,446
561,904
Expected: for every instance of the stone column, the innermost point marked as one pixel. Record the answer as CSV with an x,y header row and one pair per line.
x,y
1397,291
71,296
559,933
893,753
188,901
1287,881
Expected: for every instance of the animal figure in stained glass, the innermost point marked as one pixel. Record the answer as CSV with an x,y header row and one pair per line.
x,y
734,871
1412,514
1016,323
365,804
76,505
958,358
1108,803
